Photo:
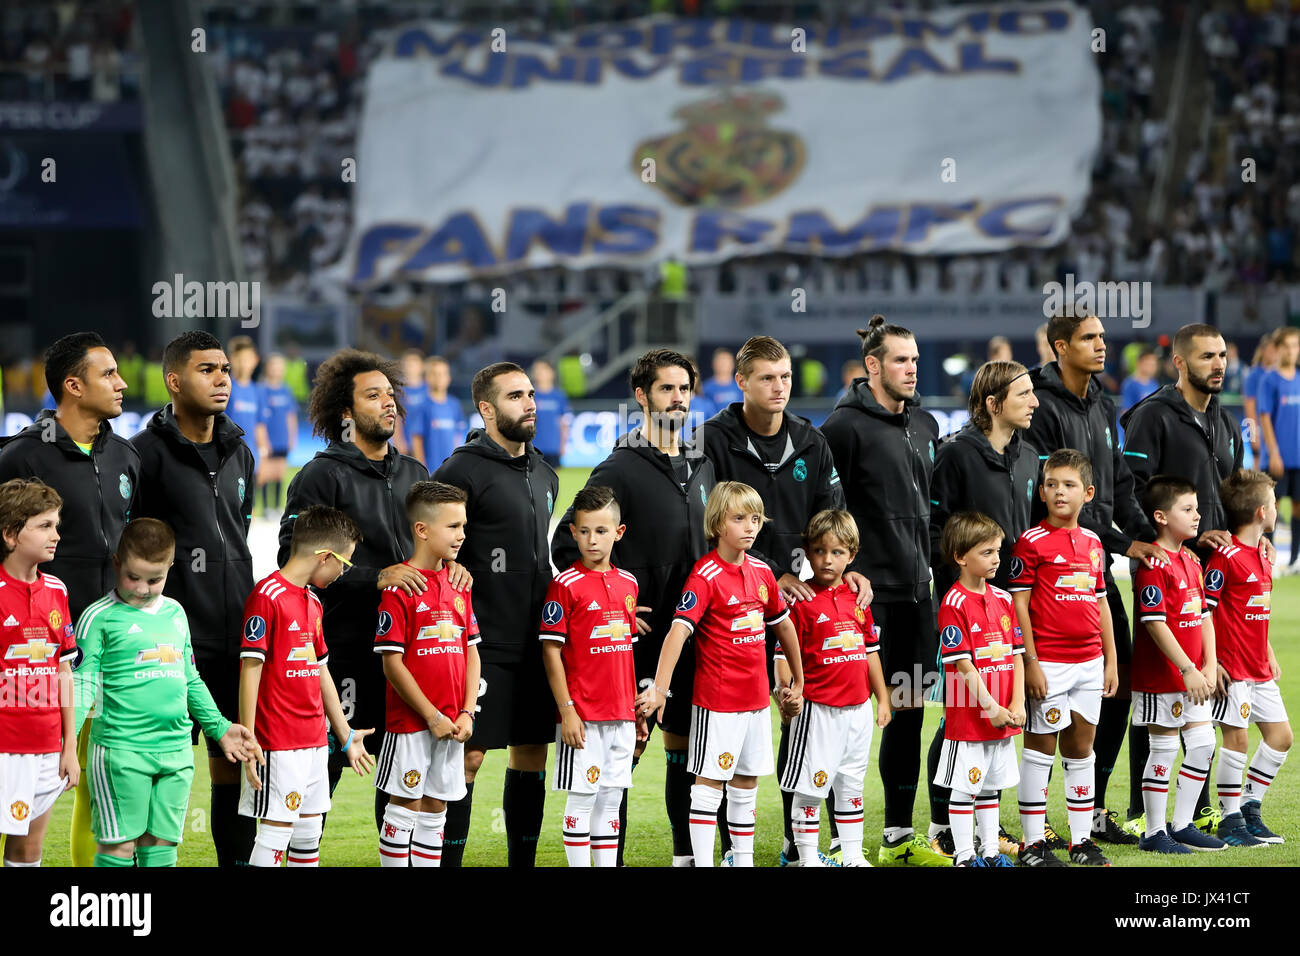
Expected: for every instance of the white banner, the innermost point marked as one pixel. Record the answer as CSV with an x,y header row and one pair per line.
x,y
963,130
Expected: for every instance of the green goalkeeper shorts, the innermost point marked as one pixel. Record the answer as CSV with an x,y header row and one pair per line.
x,y
132,793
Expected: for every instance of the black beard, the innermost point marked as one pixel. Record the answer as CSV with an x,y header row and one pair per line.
x,y
1203,385
513,429
663,419
897,396
374,429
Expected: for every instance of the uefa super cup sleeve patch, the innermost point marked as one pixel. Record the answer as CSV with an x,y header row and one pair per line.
x,y
687,601
1152,597
951,636
552,613
254,629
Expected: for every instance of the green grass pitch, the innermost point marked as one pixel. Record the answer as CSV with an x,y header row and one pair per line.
x,y
350,837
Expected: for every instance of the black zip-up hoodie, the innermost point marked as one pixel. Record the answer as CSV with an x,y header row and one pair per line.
x,y
1063,420
665,524
885,462
1162,436
373,495
205,513
970,476
805,483
506,540
97,491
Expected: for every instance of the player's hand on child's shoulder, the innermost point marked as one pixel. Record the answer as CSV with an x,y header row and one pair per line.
x,y
1152,555
402,576
458,576
860,586
792,589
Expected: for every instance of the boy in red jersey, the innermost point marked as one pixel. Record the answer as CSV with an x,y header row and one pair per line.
x,y
588,629
38,748
430,659
1057,581
1239,586
1173,670
831,737
729,601
286,693
984,696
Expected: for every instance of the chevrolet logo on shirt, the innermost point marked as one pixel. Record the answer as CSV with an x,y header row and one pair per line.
x,y
613,631
848,641
34,651
303,652
1192,607
1079,580
1259,600
753,621
993,652
161,654
443,631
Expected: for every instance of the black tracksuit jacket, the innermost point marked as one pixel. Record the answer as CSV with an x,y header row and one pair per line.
x,y
1063,420
205,513
665,524
506,540
970,476
1161,436
805,483
97,490
373,495
885,462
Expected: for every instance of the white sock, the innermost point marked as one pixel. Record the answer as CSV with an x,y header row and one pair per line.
x,y
1035,772
1262,770
1155,780
936,829
961,818
604,826
1227,780
577,828
806,824
894,834
16,863
742,814
987,820
395,836
849,821
304,842
426,841
704,822
270,844
1080,777
1192,775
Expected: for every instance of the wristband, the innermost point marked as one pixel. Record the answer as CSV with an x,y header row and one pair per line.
x,y
349,741
569,703
466,713
664,691
1030,657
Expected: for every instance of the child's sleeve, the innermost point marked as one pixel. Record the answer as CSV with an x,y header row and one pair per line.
x,y
1100,587
774,607
197,696
555,618
1024,566
391,629
696,595
87,682
799,622
1149,592
259,615
954,639
1216,577
472,635
870,633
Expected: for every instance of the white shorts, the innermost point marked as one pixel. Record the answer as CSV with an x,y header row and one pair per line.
x,y
722,745
1249,703
829,747
973,766
1174,709
29,785
294,783
417,764
1070,688
605,761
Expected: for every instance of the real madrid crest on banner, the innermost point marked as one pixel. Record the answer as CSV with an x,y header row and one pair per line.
x,y
726,155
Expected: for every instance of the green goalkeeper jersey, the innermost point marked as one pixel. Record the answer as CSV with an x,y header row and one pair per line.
x,y
137,670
